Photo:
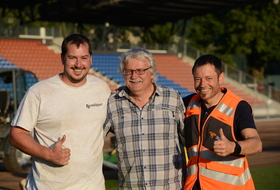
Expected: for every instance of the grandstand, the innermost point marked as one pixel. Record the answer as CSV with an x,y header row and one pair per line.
x,y
34,56
108,64
31,55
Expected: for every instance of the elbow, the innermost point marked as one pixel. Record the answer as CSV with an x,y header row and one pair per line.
x,y
257,146
12,142
13,137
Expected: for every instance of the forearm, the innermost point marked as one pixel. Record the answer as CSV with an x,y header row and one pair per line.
x,y
250,146
21,139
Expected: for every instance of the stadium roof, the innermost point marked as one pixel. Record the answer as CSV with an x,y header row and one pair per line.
x,y
125,12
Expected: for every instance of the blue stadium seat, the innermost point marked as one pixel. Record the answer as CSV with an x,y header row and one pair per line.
x,y
30,79
5,64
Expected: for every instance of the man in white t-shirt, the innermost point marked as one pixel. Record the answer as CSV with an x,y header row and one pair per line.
x,y
65,114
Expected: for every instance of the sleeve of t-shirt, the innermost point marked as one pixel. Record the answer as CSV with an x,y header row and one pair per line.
x,y
243,119
28,111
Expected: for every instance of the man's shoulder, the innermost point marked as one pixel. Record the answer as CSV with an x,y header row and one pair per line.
x,y
118,92
166,89
187,99
44,82
92,78
97,82
244,105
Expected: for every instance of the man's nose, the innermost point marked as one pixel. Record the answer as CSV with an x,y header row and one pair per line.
x,y
78,63
134,74
203,83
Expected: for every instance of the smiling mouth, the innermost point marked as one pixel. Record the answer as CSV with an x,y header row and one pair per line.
x,y
204,90
77,69
135,81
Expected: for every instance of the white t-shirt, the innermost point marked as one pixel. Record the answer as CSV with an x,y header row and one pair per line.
x,y
51,109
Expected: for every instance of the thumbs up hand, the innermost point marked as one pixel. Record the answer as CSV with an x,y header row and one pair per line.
x,y
58,154
223,146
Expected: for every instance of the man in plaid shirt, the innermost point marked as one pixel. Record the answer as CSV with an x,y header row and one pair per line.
x,y
147,120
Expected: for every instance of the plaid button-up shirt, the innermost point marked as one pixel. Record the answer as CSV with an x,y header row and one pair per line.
x,y
149,149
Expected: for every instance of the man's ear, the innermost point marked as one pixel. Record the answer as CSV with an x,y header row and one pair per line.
x,y
90,60
62,59
221,78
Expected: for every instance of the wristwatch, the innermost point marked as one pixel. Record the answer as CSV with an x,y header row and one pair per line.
x,y
237,148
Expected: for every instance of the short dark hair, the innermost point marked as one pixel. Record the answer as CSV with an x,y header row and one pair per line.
x,y
208,59
77,39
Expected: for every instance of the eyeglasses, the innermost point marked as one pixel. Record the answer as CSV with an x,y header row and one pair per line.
x,y
137,71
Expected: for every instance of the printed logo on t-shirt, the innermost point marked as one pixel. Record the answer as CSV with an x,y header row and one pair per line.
x,y
93,105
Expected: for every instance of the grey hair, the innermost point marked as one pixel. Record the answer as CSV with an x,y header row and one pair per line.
x,y
139,54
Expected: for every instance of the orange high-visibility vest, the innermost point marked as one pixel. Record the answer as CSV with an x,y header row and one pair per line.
x,y
213,171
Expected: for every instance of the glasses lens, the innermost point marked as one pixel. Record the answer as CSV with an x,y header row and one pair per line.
x,y
127,71
137,71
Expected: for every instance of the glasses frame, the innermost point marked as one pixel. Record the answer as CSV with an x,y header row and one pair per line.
x,y
142,71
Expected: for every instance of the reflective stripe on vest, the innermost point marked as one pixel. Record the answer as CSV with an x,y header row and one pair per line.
x,y
220,176
231,179
194,104
225,109
191,170
228,160
192,152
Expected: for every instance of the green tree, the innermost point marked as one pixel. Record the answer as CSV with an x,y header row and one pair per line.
x,y
157,34
252,31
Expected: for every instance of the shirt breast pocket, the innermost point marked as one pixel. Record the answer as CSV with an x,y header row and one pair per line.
x,y
123,121
164,122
